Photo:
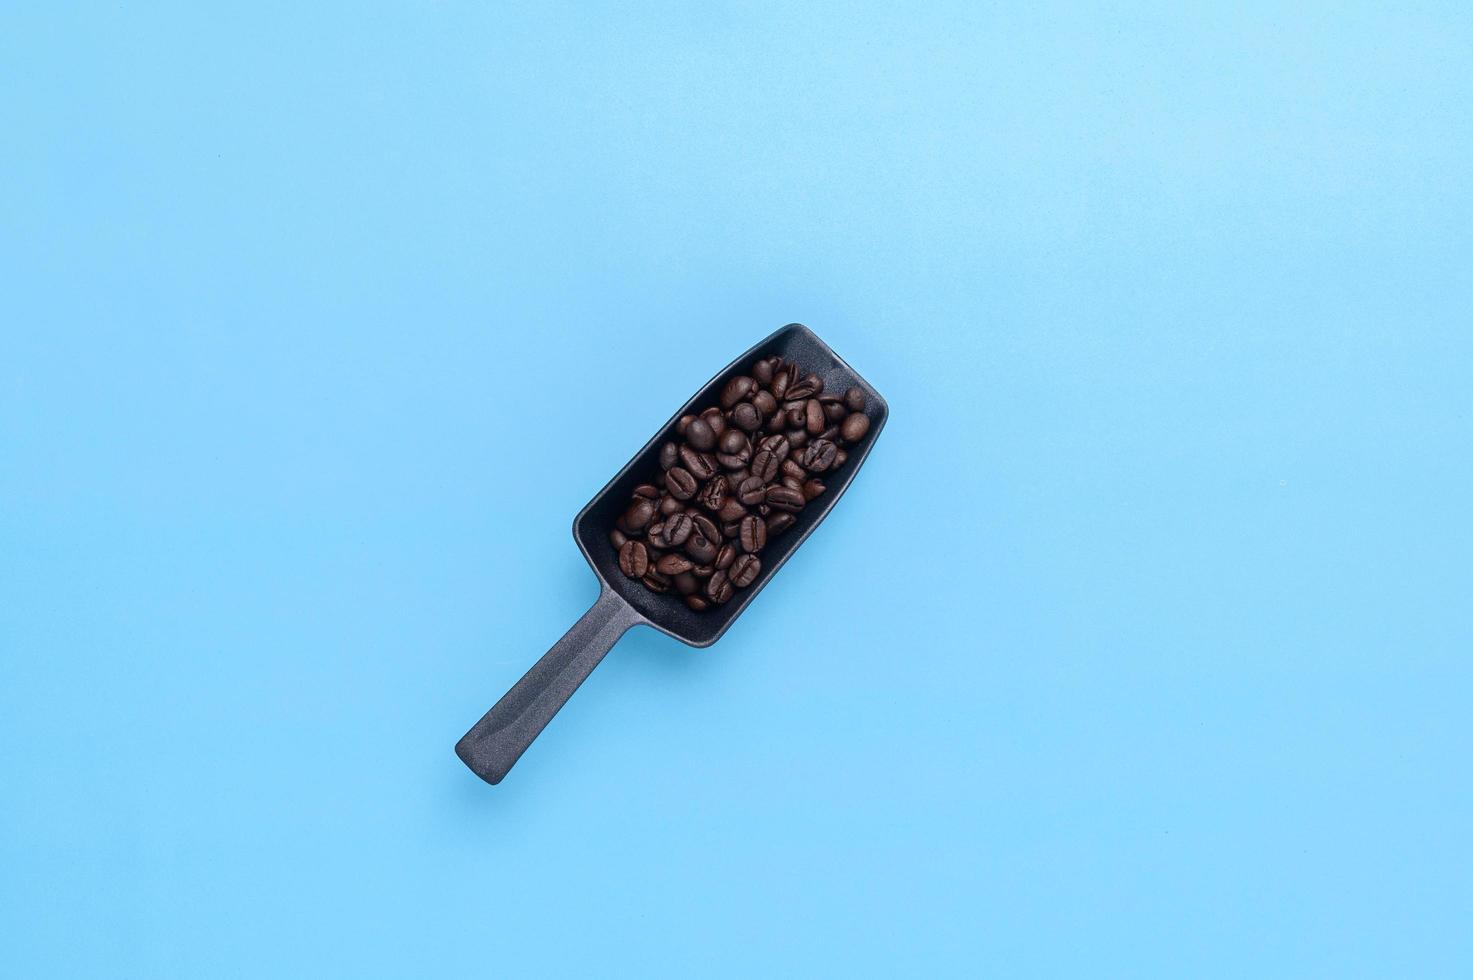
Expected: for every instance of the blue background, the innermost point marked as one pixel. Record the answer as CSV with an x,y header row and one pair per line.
x,y
1141,647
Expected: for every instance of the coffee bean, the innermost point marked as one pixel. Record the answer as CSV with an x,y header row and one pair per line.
x,y
779,522
779,445
699,435
734,443
731,529
744,571
797,417
715,419
805,389
831,433
674,564
725,556
669,455
762,371
812,488
782,377
677,529
669,505
854,427
713,494
702,466
732,510
840,458
798,439
753,534
776,423
697,603
764,403
699,547
634,561
749,491
639,513
683,423
655,584
736,390
718,589
791,468
655,534
680,483
793,483
816,419
834,411
854,399
818,456
647,490
705,526
784,498
703,571
617,538
745,416
764,465
685,583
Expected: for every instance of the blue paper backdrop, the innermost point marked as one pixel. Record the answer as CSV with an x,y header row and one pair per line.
x,y
1141,648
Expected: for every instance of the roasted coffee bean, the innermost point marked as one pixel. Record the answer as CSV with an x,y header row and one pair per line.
x,y
656,585
683,423
702,466
817,421
619,525
776,423
697,603
634,561
703,571
818,456
797,417
715,419
798,439
749,491
792,482
647,490
854,399
732,510
784,498
780,382
744,571
639,513
831,433
736,390
674,564
669,455
677,529
791,468
713,494
764,465
669,505
840,458
699,435
655,534
805,389
834,411
745,416
779,445
725,556
699,547
705,526
752,535
718,589
735,443
685,583
680,483
762,371
780,522
813,488
854,427
764,403
617,538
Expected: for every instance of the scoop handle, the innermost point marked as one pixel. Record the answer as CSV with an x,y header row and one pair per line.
x,y
497,741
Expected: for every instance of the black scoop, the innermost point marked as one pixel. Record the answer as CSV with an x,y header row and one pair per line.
x,y
495,743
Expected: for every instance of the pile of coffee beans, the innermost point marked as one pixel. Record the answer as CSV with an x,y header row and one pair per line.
x,y
736,477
